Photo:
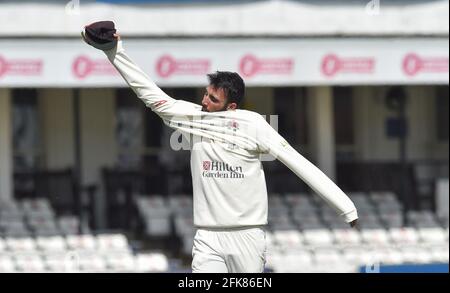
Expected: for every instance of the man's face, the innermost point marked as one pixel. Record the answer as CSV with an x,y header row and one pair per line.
x,y
215,100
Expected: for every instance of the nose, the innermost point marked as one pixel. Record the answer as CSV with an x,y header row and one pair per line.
x,y
205,101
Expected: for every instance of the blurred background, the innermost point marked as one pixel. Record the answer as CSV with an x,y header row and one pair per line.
x,y
89,182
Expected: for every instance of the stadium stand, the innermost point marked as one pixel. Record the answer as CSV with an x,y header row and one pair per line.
x,y
304,235
34,239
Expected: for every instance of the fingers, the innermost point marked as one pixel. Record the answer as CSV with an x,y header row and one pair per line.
x,y
354,223
117,36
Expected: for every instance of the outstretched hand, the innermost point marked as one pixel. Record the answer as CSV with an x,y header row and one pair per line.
x,y
354,224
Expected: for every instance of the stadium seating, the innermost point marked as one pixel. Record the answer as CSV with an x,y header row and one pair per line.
x,y
34,239
304,235
382,238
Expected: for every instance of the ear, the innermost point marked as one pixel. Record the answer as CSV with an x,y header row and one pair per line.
x,y
232,106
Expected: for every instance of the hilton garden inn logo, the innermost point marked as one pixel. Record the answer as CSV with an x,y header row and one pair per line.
x,y
214,169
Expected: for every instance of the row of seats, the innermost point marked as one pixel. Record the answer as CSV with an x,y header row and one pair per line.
x,y
84,262
378,237
349,259
59,243
85,253
36,240
34,217
290,212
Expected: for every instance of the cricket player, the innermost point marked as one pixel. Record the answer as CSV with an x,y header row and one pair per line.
x,y
229,187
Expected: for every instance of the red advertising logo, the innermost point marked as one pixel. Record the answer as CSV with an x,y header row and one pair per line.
x,y
20,67
250,65
332,64
206,165
82,66
413,64
167,66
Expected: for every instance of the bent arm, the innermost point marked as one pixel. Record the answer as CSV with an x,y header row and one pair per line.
x,y
272,142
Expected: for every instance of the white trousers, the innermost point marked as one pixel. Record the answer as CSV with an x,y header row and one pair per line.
x,y
236,250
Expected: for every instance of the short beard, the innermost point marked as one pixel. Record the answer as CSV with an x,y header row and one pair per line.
x,y
223,109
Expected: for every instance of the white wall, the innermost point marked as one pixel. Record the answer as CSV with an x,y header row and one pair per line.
x,y
5,145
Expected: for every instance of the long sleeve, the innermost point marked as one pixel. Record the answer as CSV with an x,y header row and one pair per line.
x,y
272,142
146,90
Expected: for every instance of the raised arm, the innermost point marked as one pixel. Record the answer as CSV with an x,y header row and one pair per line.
x,y
272,142
146,90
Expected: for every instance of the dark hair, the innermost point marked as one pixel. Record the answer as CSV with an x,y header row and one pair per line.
x,y
231,83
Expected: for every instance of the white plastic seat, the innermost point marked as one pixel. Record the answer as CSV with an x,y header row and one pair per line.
x,y
403,235
276,211
346,236
111,242
156,212
369,221
21,244
388,255
43,224
151,262
271,243
275,200
298,199
383,196
184,225
181,204
440,253
375,237
336,224
12,225
293,262
298,262
288,238
81,242
38,204
153,201
390,207
281,222
11,216
158,226
120,261
326,211
361,200
414,254
319,237
57,262
9,206
53,243
68,225
357,256
275,261
310,217
392,220
327,256
432,235
91,262
29,262
7,264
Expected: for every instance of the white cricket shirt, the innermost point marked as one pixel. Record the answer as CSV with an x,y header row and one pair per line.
x,y
229,186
